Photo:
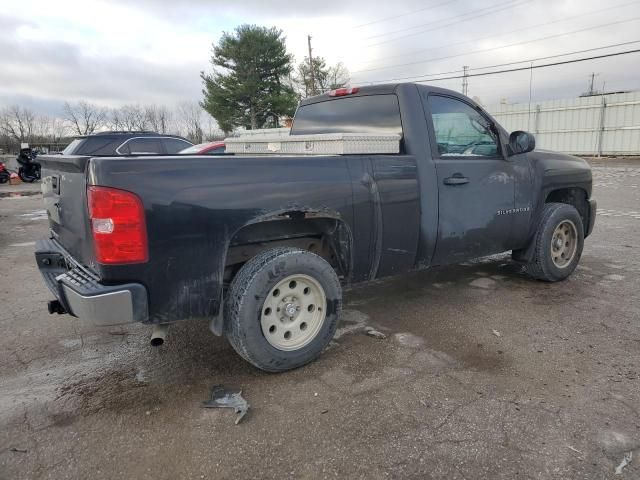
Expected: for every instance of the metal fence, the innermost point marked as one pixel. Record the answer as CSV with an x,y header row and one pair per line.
x,y
593,125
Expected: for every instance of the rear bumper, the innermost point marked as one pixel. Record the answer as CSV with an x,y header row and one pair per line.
x,y
593,207
82,295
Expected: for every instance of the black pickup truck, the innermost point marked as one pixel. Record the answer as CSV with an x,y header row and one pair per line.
x,y
261,245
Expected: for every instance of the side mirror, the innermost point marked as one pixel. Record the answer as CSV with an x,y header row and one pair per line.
x,y
521,142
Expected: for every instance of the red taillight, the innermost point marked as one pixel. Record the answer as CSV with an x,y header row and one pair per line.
x,y
341,92
118,226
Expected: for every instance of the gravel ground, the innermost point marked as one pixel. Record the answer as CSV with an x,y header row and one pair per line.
x,y
483,373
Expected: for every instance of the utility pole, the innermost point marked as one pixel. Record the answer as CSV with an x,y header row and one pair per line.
x,y
530,91
313,80
465,80
592,82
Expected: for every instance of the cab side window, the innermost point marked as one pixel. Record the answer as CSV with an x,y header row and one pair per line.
x,y
461,131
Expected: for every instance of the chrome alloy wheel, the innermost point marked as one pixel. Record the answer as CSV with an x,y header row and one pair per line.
x,y
564,243
293,312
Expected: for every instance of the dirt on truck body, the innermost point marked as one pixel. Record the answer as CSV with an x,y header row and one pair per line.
x,y
261,245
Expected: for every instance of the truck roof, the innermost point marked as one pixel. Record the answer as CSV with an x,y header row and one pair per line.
x,y
382,89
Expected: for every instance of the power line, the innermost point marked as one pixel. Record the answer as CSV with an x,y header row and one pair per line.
x,y
555,56
430,7
435,22
508,5
524,42
505,64
519,69
517,30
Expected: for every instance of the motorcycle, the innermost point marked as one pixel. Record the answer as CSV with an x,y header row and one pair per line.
x,y
29,170
5,175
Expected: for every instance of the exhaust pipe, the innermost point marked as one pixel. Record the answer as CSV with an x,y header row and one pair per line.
x,y
159,334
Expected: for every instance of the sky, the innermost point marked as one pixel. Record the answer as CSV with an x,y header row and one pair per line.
x,y
120,52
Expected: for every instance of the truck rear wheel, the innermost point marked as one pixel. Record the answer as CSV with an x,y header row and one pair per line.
x,y
558,243
283,308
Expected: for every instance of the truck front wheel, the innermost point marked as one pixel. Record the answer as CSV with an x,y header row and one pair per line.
x,y
558,243
282,308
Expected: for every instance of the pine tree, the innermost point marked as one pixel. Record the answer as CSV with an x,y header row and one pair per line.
x,y
248,87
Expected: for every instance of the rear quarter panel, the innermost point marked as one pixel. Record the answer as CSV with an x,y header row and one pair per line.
x,y
193,207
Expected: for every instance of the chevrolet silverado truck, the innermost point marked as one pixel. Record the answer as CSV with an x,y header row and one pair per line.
x,y
261,245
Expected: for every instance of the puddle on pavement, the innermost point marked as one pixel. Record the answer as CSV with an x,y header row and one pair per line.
x,y
34,215
14,195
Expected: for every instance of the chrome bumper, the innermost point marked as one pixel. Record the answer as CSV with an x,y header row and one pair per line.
x,y
82,295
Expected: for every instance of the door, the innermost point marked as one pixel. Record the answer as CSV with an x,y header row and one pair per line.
x,y
475,181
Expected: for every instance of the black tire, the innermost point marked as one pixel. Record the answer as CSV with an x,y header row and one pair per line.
x,y
246,297
542,265
26,178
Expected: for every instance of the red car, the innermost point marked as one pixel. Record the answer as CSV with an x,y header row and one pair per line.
x,y
207,148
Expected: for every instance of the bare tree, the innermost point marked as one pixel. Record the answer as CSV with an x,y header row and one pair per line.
x,y
114,119
130,117
18,123
190,119
158,118
212,130
84,117
41,127
325,77
337,76
57,130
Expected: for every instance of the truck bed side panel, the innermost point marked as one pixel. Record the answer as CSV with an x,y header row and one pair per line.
x,y
194,205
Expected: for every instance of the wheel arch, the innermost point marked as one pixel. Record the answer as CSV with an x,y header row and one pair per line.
x,y
575,196
294,228
322,232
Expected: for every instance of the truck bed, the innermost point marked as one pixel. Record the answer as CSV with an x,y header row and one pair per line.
x,y
196,205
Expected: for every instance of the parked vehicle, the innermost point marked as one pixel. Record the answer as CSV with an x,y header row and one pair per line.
x,y
29,170
261,244
5,175
207,148
126,143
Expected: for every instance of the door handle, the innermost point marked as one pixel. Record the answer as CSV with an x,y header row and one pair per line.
x,y
456,179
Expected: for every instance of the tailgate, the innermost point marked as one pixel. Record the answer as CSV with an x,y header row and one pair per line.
x,y
64,190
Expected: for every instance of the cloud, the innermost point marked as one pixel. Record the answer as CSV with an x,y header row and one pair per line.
x,y
152,51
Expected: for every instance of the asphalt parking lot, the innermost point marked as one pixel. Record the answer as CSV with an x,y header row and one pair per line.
x,y
484,373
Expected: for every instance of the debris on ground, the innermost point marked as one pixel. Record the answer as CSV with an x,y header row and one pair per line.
x,y
496,333
574,450
372,332
18,450
626,460
228,398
